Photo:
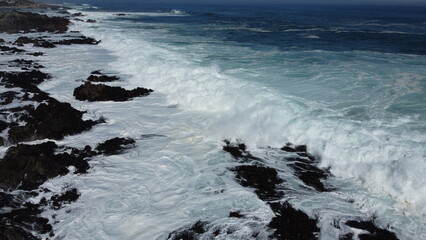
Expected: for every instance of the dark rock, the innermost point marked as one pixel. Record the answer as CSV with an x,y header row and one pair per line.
x,y
301,150
375,233
11,50
21,41
305,168
192,232
44,44
64,12
14,22
239,151
120,14
99,77
3,125
292,224
8,232
22,63
7,97
25,80
79,14
236,214
115,145
53,120
2,40
37,42
263,179
348,236
90,21
101,92
79,40
36,54
28,166
25,220
68,197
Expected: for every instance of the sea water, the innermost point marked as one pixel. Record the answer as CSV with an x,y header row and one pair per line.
x,y
348,82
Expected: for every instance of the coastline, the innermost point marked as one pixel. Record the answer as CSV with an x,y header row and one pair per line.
x,y
268,187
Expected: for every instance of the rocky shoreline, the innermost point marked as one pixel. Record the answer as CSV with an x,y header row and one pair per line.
x,y
29,114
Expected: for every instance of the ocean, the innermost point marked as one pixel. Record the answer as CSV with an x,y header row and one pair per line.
x,y
349,82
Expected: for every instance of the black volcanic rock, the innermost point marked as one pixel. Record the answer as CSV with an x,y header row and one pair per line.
x,y
305,167
25,64
239,151
78,40
292,224
115,145
10,50
25,80
263,179
101,92
53,120
58,200
28,166
375,233
14,22
97,76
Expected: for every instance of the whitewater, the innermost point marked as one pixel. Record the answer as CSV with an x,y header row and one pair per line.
x,y
360,112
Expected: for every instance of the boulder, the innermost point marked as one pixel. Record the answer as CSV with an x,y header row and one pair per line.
x,y
101,92
115,146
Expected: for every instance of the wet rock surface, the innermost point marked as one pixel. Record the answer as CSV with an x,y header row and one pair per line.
x,y
372,231
263,179
53,120
97,76
239,151
115,146
292,224
58,200
305,167
288,222
10,50
101,92
25,64
28,166
14,22
193,232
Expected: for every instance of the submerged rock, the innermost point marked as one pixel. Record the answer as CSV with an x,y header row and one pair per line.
x,y
100,92
14,22
115,146
28,166
292,224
